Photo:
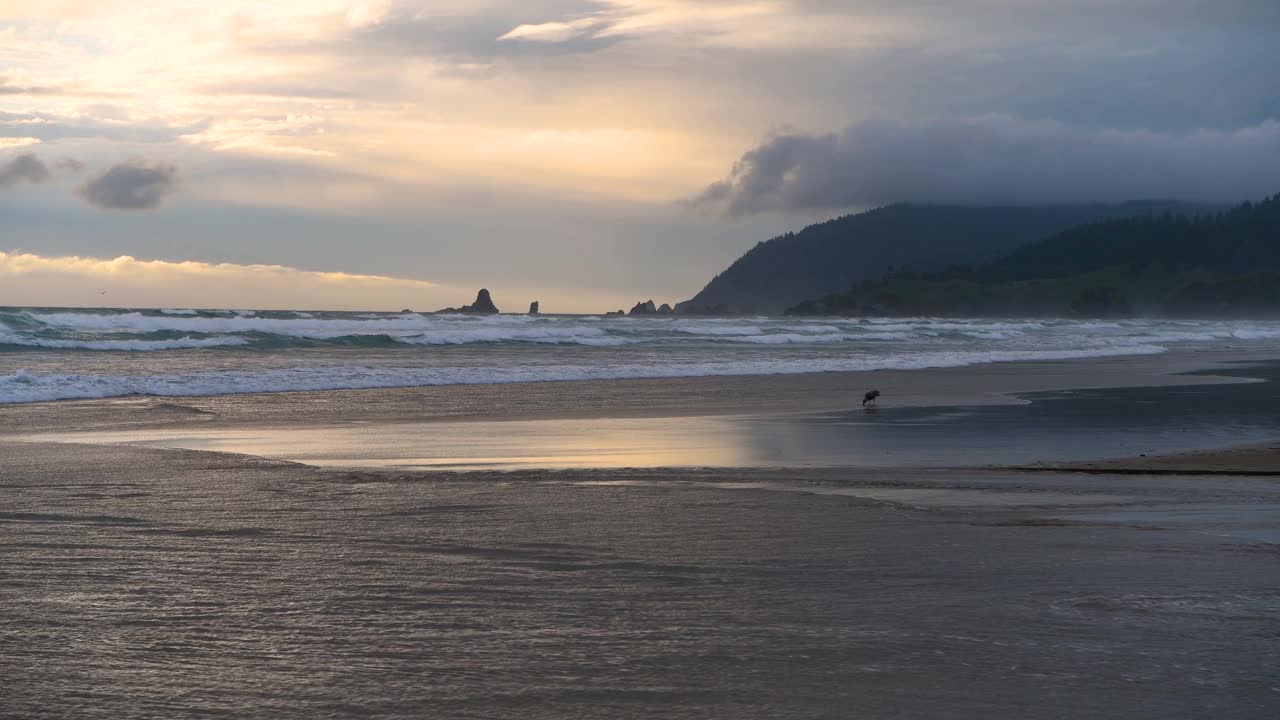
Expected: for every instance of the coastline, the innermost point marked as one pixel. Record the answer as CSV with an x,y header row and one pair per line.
x,y
140,574
973,385
1252,459
1031,416
286,589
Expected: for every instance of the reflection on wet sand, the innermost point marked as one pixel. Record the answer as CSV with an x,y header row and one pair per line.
x,y
1053,427
555,444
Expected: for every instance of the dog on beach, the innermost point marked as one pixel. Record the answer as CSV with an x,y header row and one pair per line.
x,y
870,397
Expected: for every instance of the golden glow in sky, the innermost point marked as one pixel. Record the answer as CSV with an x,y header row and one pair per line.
x,y
574,147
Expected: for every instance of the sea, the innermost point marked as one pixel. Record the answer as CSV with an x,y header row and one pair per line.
x,y
81,353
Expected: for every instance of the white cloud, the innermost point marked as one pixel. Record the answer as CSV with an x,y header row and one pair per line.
x,y
553,32
9,143
30,279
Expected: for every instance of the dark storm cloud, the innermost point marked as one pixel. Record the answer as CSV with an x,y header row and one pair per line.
x,y
131,186
996,160
23,168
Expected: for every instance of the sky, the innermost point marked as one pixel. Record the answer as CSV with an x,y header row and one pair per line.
x,y
388,154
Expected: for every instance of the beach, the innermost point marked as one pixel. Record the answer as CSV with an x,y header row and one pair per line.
x,y
639,360
746,547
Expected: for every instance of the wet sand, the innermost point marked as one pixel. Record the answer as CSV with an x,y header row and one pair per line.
x,y
1047,429
980,385
158,582
1262,459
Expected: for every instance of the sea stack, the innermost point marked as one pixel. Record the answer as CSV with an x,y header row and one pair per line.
x,y
533,308
644,308
482,306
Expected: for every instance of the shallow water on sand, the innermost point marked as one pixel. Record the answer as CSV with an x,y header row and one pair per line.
x,y
142,584
1052,427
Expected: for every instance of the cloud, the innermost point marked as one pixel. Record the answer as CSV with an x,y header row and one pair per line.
x,y
131,186
10,143
744,24
996,159
552,31
90,122
8,87
27,279
29,168
70,165
25,167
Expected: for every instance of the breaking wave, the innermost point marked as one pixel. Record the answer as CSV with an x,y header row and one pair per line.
x,y
25,386
58,353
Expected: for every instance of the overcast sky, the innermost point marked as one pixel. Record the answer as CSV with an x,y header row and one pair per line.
x,y
585,153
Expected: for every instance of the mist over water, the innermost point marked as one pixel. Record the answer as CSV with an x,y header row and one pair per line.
x,y
51,354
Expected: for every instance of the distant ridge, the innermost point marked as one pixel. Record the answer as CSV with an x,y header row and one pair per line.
x,y
831,256
1220,264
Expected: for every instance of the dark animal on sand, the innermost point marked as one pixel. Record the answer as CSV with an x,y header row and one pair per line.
x,y
870,397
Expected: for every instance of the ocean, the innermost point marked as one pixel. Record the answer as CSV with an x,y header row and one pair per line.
x,y
60,353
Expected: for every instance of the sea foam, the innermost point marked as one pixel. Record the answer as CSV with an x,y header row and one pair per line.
x,y
25,386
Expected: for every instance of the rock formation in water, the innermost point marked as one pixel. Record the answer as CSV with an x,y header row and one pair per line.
x,y
644,308
615,313
533,308
649,308
690,309
482,306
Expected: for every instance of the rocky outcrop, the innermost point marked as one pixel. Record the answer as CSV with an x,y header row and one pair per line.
x,y
533,308
616,313
649,308
644,308
688,308
482,306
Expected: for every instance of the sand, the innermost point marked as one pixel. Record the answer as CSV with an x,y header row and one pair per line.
x,y
145,582
1259,459
978,385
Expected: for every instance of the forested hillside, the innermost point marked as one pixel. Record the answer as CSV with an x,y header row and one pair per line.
x,y
1224,263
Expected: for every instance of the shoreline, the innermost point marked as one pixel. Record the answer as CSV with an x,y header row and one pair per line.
x,y
720,590
1058,416
1244,460
966,386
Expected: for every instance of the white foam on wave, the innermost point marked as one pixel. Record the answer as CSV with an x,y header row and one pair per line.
x,y
409,329
717,329
994,334
1256,334
26,387
185,343
132,331
791,339
248,321
550,335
